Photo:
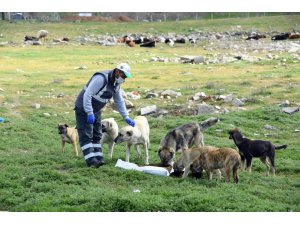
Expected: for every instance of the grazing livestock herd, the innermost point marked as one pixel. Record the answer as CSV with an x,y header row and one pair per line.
x,y
149,42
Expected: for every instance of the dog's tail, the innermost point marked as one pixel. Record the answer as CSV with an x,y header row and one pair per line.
x,y
208,123
281,147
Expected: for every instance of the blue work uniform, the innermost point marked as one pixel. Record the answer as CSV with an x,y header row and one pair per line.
x,y
93,97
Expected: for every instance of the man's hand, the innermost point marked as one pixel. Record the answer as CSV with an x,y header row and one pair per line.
x,y
130,122
91,119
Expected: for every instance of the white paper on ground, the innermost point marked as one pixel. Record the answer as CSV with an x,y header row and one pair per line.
x,y
155,170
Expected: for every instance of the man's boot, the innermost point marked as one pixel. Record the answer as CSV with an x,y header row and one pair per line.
x,y
90,158
98,153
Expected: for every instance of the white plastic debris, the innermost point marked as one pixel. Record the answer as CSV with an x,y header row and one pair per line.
x,y
146,169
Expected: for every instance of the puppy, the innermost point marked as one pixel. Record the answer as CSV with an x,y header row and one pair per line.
x,y
220,158
70,135
181,138
138,135
248,149
194,155
110,131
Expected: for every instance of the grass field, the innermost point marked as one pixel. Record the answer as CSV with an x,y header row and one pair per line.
x,y
35,176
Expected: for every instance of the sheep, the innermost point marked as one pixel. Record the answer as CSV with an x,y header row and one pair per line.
x,y
180,40
192,41
256,36
30,38
294,36
169,41
282,36
42,34
149,44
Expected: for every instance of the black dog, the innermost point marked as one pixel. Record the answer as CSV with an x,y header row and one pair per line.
x,y
248,149
256,37
279,37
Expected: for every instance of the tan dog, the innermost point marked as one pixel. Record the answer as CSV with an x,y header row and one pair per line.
x,y
138,135
194,155
110,131
227,158
69,135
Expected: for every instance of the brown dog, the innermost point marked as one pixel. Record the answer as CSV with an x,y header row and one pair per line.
x,y
227,158
194,155
70,135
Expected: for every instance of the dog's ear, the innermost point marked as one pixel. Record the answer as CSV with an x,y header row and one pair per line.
x,y
172,150
175,133
110,124
159,150
129,133
66,125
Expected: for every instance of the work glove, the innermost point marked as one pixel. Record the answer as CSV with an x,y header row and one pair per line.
x,y
130,121
90,118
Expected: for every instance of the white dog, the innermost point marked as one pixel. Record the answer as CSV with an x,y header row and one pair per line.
x,y
138,135
110,131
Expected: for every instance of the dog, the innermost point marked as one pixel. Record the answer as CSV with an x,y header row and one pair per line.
x,y
69,135
248,149
219,158
183,137
195,153
294,36
138,135
110,131
282,36
256,37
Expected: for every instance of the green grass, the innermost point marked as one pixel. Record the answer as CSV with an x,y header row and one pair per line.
x,y
35,176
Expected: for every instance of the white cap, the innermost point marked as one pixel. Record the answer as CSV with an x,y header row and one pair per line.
x,y
125,68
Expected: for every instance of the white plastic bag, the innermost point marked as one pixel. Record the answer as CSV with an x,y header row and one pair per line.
x,y
155,170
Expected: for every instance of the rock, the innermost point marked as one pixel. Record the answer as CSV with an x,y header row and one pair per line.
x,y
81,68
290,110
206,109
269,127
133,95
160,113
3,43
46,114
128,104
148,110
199,96
36,106
198,59
151,95
36,43
61,95
228,98
237,102
285,103
170,93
